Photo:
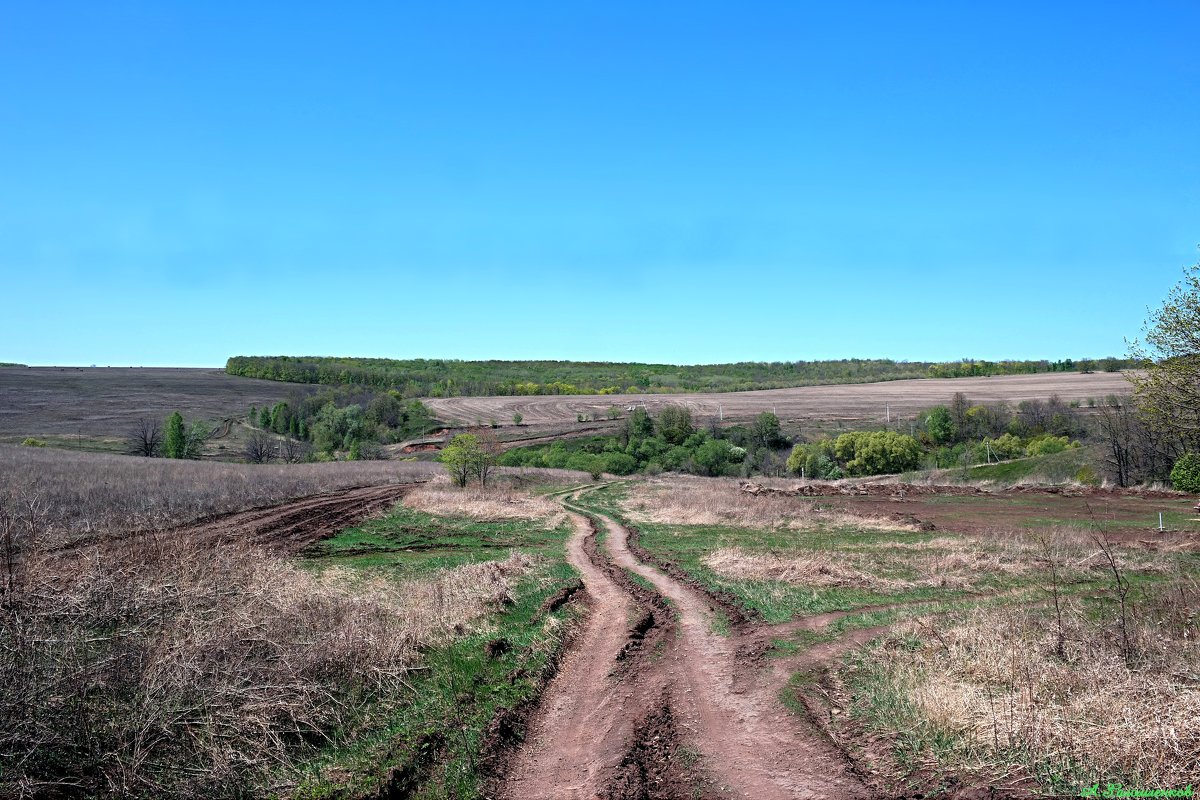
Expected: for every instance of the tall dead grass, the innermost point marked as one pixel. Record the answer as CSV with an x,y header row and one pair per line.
x,y
498,501
953,562
995,678
959,568
87,493
686,500
159,666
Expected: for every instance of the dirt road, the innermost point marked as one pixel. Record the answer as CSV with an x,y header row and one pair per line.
x,y
692,693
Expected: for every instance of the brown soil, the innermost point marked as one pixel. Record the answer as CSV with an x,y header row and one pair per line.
x,y
588,739
845,402
290,527
616,725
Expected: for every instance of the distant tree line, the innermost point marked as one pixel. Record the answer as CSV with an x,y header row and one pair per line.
x,y
451,378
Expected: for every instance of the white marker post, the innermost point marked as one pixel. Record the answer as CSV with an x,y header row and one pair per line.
x,y
1160,524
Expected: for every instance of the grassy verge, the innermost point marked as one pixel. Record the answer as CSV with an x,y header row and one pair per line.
x,y
985,694
435,743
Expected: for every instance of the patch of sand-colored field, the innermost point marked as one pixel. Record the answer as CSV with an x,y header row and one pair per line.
x,y
846,402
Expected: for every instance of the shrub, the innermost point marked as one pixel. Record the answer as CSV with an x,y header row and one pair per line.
x,y
1185,475
877,452
1047,445
31,442
619,463
1087,476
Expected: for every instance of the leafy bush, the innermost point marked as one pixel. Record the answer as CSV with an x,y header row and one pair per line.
x,y
1185,475
31,442
1047,445
619,463
877,452
1087,476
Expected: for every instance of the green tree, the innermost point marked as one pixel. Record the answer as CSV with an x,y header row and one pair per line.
x,y
264,418
877,452
712,457
939,424
674,424
765,430
469,456
1185,475
638,426
460,457
175,438
516,418
1167,390
281,414
814,460
197,434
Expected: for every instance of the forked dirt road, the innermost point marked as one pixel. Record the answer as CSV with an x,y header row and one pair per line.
x,y
748,744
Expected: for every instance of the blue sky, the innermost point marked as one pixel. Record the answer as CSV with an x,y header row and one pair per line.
x,y
675,182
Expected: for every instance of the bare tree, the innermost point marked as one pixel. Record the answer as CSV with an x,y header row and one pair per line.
x,y
260,448
1135,450
145,438
293,451
489,452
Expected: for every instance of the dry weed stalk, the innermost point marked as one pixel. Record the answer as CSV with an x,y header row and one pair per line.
x,y
496,502
158,666
685,500
996,678
87,493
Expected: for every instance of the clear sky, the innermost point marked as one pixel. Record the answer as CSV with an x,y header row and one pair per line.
x,y
677,182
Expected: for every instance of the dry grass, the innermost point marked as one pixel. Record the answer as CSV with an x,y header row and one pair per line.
x,y
498,501
994,678
945,561
90,492
684,500
169,668
961,568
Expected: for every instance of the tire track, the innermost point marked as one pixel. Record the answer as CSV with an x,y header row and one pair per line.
x,y
613,732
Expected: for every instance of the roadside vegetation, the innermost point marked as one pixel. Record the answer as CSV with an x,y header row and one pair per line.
x,y
452,378
471,687
1049,658
159,665
1099,690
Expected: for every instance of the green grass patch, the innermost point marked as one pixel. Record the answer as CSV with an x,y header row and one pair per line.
x,y
433,738
407,543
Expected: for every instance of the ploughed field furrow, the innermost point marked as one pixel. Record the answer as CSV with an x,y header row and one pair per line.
x,y
291,527
830,402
